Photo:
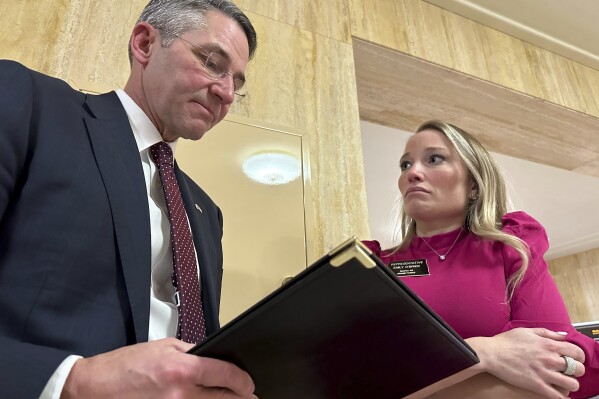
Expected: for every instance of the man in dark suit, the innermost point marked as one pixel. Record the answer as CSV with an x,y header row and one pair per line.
x,y
85,248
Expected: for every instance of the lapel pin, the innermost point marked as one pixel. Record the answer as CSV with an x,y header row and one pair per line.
x,y
198,208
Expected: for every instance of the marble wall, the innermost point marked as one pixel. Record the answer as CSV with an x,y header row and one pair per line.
x,y
576,277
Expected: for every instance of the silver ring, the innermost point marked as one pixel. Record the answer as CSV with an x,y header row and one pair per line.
x,y
570,366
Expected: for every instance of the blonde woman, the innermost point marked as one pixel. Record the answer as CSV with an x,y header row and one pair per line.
x,y
482,270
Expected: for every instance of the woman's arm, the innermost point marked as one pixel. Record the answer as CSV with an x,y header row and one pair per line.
x,y
538,374
537,301
485,386
530,358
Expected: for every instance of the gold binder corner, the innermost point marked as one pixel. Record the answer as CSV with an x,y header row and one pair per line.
x,y
351,249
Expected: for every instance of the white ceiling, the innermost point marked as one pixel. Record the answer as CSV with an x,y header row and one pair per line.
x,y
564,202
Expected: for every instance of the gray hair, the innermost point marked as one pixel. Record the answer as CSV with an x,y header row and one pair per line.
x,y
180,16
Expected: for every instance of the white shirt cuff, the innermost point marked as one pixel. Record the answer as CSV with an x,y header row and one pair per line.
x,y
53,388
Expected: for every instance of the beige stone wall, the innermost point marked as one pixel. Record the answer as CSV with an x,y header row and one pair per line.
x,y
83,42
426,31
576,277
306,81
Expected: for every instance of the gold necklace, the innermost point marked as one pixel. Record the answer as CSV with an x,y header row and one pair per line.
x,y
442,257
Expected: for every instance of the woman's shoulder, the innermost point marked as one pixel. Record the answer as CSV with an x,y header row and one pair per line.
x,y
374,246
520,222
528,229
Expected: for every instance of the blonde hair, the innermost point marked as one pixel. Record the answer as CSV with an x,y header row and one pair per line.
x,y
483,217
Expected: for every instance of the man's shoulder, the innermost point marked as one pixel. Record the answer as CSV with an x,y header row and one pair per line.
x,y
10,65
15,74
14,69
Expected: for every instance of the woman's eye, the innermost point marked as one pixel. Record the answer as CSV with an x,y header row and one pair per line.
x,y
404,165
436,158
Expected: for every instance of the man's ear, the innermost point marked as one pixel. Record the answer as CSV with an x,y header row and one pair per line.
x,y
143,39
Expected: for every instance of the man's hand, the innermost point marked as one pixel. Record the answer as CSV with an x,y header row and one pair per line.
x,y
157,369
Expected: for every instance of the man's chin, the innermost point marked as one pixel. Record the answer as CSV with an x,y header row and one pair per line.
x,y
195,132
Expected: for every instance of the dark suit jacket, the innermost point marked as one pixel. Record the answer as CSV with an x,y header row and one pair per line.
x,y
75,231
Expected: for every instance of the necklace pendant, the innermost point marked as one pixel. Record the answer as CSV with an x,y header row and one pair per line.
x,y
442,257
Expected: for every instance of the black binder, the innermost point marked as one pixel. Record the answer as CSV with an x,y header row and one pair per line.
x,y
345,327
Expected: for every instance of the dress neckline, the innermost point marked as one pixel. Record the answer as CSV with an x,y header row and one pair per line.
x,y
440,242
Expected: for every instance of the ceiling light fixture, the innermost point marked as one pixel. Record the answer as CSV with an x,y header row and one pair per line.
x,y
272,168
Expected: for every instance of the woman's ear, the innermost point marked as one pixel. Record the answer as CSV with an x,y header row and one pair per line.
x,y
473,196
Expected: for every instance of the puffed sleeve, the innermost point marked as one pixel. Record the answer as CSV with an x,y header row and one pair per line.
x,y
537,301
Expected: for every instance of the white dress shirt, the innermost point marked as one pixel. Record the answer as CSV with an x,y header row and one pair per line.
x,y
163,312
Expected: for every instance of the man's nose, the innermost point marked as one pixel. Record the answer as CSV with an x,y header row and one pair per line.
x,y
224,88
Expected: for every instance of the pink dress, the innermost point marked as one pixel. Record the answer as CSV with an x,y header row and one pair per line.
x,y
468,288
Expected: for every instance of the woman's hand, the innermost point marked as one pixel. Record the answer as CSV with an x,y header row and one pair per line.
x,y
530,358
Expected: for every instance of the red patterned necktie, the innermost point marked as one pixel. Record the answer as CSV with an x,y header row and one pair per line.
x,y
185,276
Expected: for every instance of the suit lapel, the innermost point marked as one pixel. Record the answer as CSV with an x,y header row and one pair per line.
x,y
118,160
206,256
